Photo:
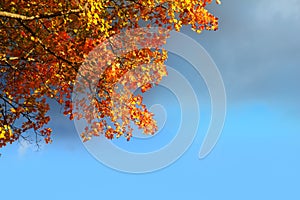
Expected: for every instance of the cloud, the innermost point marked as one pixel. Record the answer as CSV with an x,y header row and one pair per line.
x,y
257,50
285,10
23,147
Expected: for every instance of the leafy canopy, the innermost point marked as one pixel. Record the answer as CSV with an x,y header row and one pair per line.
x,y
44,42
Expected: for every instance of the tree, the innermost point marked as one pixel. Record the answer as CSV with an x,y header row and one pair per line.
x,y
43,43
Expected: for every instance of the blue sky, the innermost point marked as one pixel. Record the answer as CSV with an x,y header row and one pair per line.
x,y
257,157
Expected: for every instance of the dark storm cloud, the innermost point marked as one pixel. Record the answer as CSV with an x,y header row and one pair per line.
x,y
257,49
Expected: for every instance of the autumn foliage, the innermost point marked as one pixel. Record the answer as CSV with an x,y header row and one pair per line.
x,y
43,43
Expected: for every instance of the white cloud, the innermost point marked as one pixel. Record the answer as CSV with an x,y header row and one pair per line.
x,y
23,147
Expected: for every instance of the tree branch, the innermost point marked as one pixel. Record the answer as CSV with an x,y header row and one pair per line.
x,y
41,16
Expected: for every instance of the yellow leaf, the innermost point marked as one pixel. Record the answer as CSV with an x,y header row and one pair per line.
x,y
5,129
